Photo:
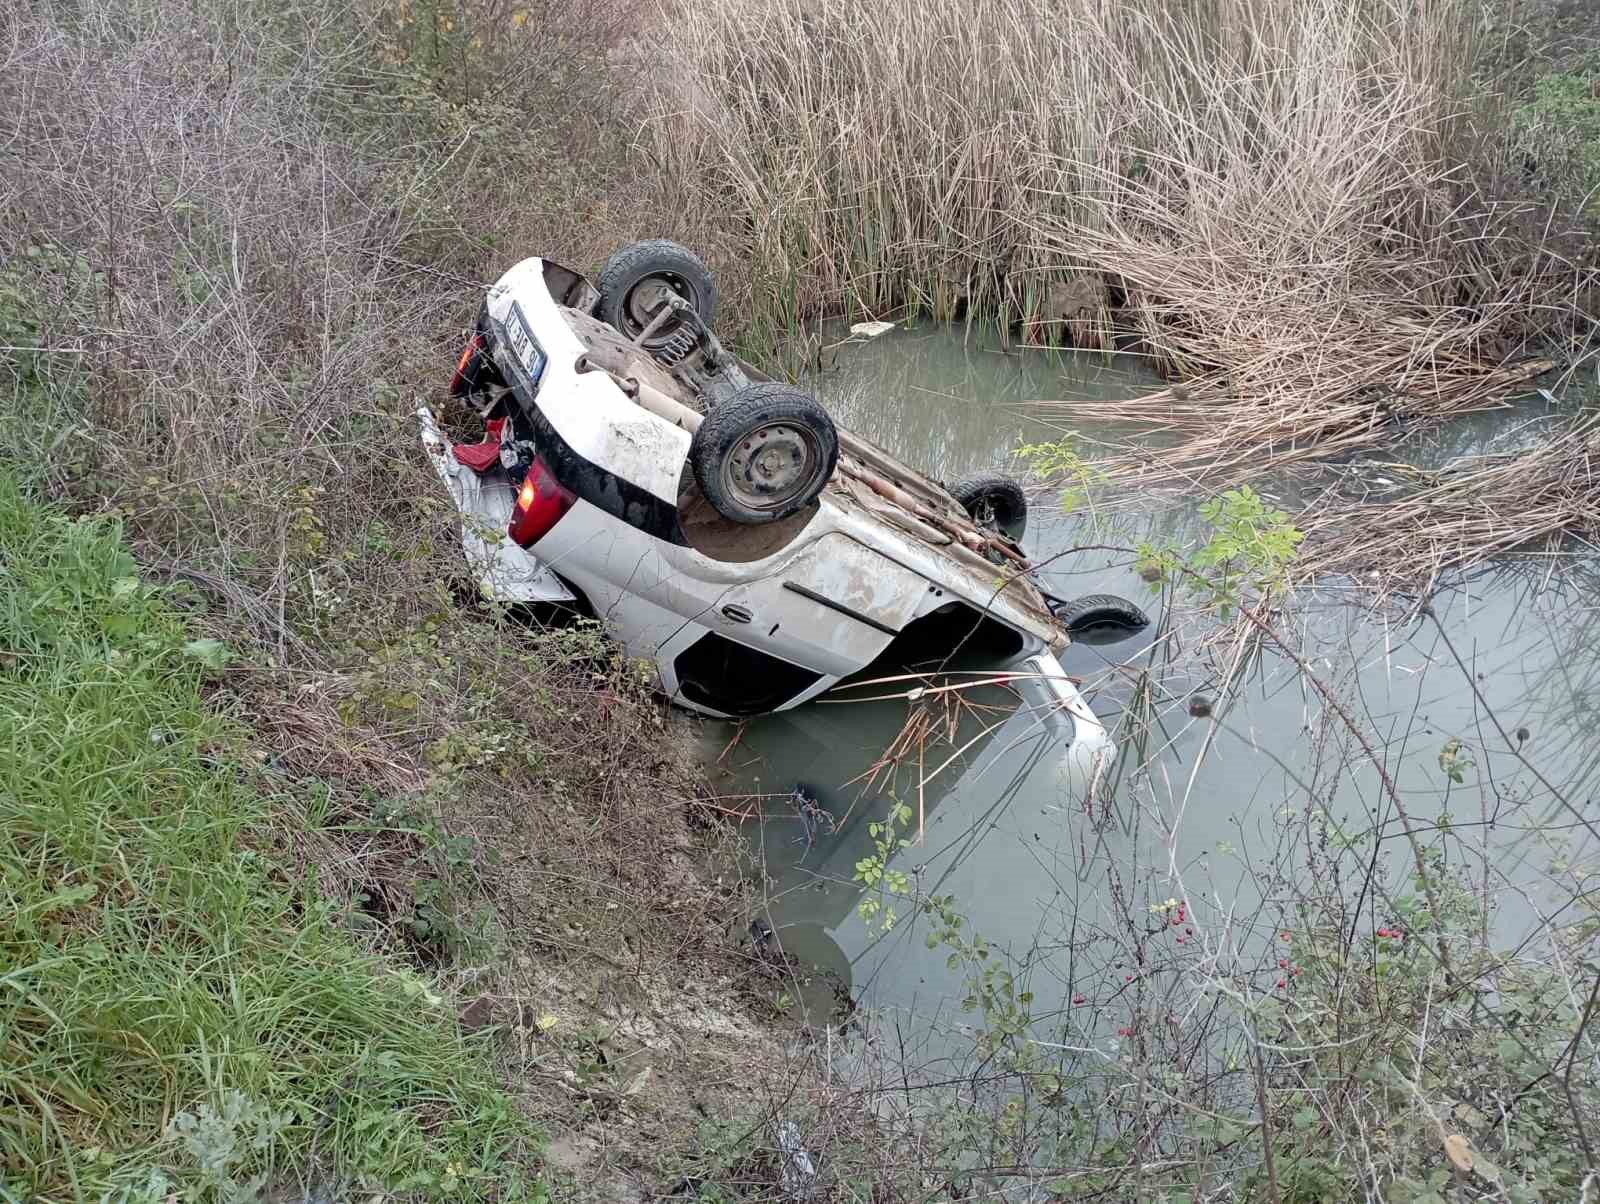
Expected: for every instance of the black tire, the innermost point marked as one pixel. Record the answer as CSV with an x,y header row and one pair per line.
x,y
638,277
994,501
738,453
1100,610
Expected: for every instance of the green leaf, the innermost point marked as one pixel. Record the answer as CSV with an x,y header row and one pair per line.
x,y
213,654
70,896
123,624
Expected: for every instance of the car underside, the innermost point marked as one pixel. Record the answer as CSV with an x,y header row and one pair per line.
x,y
717,521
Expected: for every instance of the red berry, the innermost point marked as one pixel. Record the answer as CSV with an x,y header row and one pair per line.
x,y
1127,978
1077,999
1188,932
1284,935
1283,963
1281,984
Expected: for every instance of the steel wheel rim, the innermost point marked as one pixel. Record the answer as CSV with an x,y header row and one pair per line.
x,y
772,465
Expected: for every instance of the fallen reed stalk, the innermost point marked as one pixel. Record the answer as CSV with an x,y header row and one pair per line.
x,y
1224,443
1461,517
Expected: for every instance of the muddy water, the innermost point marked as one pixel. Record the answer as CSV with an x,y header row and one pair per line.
x,y
1006,833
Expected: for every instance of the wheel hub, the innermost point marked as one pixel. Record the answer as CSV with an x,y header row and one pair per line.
x,y
770,464
649,295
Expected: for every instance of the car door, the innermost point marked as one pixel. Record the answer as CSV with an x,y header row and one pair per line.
x,y
832,609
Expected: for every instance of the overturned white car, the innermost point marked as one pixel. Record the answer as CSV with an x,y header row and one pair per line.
x,y
716,521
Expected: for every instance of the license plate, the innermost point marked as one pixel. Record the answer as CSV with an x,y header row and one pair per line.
x,y
524,346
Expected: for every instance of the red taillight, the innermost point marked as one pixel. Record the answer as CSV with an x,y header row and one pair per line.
x,y
459,382
541,503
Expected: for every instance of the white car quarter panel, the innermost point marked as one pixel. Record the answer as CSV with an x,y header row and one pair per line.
x,y
598,546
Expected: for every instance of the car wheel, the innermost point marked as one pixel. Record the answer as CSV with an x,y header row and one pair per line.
x,y
1100,611
764,453
637,279
994,501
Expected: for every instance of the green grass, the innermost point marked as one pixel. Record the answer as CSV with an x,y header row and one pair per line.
x,y
177,1018
1560,126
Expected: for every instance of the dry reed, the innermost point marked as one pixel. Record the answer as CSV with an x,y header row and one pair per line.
x,y
1298,207
1223,443
1489,506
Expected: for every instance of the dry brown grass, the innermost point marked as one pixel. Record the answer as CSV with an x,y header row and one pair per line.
x,y
1220,443
1319,251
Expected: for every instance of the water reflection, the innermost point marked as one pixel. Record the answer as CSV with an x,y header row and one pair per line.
x,y
950,398
1508,664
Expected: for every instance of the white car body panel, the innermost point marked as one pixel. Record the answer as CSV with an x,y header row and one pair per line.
x,y
634,444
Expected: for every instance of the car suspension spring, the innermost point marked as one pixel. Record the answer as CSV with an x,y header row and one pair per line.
x,y
678,346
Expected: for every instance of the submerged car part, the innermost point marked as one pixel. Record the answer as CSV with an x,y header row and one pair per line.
x,y
995,502
1098,619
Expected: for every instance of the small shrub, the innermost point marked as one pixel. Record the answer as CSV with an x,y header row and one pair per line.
x,y
1060,461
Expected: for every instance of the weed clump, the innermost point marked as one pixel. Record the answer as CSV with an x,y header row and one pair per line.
x,y
1559,124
